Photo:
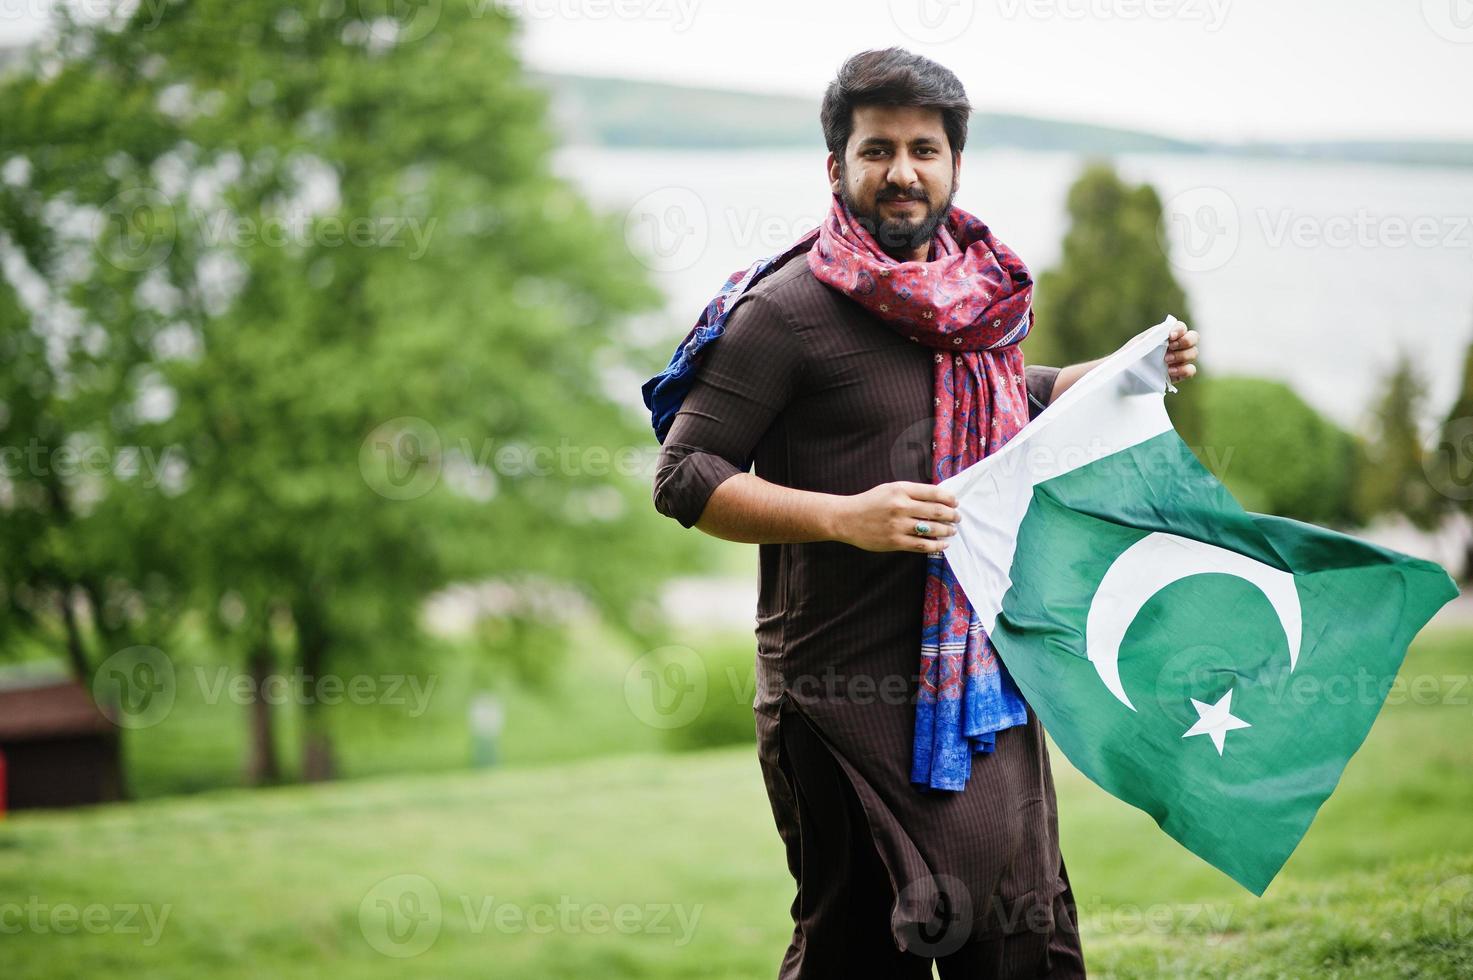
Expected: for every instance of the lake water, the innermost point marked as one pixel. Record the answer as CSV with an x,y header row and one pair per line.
x,y
1313,273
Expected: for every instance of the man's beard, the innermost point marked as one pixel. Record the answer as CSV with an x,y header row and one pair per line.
x,y
898,237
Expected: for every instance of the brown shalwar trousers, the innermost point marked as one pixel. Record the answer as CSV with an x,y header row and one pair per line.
x,y
842,909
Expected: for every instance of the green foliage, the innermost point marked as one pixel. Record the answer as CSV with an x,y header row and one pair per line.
x,y
1395,477
1113,281
325,272
1451,466
731,685
1275,453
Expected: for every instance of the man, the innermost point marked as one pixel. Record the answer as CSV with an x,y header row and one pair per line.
x,y
828,375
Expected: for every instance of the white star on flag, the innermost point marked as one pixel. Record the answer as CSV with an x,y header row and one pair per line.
x,y
1216,720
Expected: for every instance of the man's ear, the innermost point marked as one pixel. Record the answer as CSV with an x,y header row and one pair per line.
x,y
832,165
956,171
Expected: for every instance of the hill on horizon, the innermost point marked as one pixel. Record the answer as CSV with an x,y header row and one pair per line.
x,y
623,112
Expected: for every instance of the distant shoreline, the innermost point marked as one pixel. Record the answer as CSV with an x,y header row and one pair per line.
x,y
625,113
622,112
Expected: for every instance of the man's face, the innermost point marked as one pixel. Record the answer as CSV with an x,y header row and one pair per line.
x,y
897,176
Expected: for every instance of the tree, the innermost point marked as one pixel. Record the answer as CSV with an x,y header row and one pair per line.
x,y
1449,465
321,265
1112,281
1275,453
1395,477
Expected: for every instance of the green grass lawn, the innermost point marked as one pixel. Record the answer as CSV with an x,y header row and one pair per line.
x,y
667,865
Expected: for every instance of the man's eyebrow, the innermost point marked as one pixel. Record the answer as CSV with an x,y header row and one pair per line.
x,y
887,141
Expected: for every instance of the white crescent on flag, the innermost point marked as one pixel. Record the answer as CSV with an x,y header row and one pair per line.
x,y
1153,563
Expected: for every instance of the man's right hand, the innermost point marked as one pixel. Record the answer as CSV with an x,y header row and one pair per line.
x,y
884,518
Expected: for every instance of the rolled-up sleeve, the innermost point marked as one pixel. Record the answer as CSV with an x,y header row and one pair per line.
x,y
743,379
1040,381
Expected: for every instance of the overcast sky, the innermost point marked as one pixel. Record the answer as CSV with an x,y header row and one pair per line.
x,y
1219,69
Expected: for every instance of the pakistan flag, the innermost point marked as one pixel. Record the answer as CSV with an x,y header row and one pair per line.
x,y
1213,667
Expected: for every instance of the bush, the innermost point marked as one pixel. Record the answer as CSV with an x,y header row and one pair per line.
x,y
1275,453
726,716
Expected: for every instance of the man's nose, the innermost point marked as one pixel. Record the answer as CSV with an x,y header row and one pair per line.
x,y
902,173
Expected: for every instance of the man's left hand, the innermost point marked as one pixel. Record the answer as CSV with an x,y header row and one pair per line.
x,y
1181,351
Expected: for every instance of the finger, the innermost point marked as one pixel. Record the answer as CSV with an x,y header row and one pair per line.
x,y
925,544
929,493
1185,371
935,527
939,512
1185,340
1176,332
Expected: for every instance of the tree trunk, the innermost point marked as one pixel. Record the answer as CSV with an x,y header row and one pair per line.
x,y
318,763
263,766
75,650
318,759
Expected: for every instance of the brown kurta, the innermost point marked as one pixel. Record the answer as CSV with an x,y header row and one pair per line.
x,y
824,396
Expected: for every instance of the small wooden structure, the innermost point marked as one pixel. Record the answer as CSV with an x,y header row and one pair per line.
x,y
59,749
